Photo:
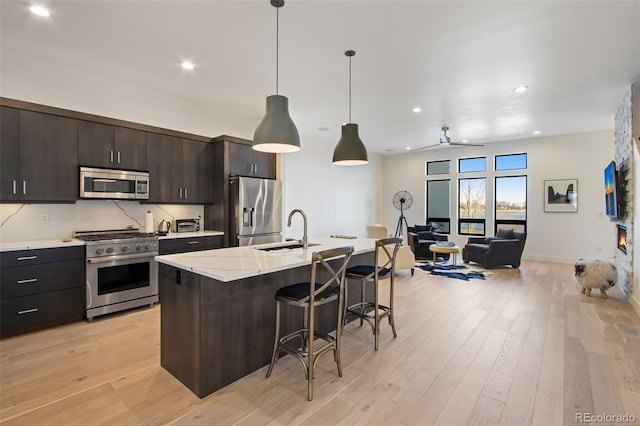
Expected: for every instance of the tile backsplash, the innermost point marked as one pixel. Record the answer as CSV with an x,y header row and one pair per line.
x,y
28,222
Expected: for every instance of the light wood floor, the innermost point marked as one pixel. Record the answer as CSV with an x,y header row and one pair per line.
x,y
523,347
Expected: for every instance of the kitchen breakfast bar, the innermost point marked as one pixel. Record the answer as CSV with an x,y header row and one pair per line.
x,y
218,311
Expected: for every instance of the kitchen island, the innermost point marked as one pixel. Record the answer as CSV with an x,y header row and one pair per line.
x,y
218,310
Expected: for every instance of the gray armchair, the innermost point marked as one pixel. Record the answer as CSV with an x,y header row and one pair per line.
x,y
504,249
420,238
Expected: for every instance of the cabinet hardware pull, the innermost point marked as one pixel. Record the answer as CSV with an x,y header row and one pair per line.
x,y
111,156
185,193
192,242
28,311
180,190
118,157
27,258
15,187
24,187
27,281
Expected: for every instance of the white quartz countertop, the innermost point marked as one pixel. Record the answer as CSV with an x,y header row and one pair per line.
x,y
39,244
233,263
171,235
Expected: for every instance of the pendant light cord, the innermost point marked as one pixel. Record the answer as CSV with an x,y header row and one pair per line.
x,y
349,89
277,45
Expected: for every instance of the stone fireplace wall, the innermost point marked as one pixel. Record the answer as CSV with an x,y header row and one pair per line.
x,y
624,163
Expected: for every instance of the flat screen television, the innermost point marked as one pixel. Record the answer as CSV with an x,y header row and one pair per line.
x,y
611,190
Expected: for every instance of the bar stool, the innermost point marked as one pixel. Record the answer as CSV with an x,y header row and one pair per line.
x,y
372,311
309,295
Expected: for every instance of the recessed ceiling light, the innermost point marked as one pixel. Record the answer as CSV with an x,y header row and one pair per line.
x,y
465,140
521,89
536,132
407,148
417,109
187,65
40,11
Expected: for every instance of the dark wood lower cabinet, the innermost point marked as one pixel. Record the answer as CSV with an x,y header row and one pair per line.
x,y
30,313
213,333
188,244
41,288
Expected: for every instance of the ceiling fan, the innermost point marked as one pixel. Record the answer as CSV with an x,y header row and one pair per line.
x,y
445,140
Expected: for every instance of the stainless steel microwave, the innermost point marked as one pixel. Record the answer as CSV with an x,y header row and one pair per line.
x,y
113,184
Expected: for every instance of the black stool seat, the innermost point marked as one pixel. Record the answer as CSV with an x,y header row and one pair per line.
x,y
364,270
297,292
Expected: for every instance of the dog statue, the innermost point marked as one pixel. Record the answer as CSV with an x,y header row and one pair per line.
x,y
595,273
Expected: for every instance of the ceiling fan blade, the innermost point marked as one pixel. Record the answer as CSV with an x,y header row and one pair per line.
x,y
465,144
426,147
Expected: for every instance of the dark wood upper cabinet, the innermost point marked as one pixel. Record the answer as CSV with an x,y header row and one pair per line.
x,y
39,157
105,145
197,172
164,160
131,148
10,154
245,161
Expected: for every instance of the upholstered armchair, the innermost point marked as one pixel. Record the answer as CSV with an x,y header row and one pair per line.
x,y
504,249
420,238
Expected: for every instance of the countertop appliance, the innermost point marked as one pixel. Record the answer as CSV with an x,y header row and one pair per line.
x,y
186,225
121,272
113,184
256,211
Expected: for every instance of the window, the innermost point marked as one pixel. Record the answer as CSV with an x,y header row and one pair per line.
x,y
438,205
469,165
511,203
471,206
511,162
438,167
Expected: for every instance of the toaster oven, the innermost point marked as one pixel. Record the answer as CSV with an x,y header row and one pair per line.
x,y
186,225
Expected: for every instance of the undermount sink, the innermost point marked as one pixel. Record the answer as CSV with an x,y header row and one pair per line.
x,y
286,246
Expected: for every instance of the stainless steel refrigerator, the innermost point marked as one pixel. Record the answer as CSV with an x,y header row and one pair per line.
x,y
256,211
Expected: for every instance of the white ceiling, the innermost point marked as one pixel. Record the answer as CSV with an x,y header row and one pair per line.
x,y
458,60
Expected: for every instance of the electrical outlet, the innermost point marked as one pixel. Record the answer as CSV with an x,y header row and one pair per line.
x,y
44,217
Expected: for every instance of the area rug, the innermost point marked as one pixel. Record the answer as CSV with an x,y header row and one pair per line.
x,y
452,271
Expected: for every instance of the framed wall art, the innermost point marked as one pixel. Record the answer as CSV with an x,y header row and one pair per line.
x,y
561,196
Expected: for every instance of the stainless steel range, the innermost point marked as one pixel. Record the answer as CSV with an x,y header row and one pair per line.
x,y
121,272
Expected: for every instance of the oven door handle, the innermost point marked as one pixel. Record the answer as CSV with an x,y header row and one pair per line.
x,y
121,257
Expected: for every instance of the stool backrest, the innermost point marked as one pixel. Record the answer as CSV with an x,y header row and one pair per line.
x,y
386,252
340,258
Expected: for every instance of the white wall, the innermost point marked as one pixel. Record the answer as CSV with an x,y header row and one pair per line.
x,y
336,199
556,237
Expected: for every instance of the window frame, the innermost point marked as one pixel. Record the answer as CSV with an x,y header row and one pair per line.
x,y
446,220
473,158
462,220
497,222
495,161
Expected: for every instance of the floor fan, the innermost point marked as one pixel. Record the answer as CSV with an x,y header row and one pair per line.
x,y
402,200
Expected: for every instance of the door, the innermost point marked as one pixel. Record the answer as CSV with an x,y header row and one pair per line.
x,y
48,157
95,144
164,158
271,207
249,199
197,176
130,148
9,154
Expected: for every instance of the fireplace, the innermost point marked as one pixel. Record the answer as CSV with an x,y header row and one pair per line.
x,y
622,238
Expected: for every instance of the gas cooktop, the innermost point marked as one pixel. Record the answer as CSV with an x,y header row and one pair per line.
x,y
112,234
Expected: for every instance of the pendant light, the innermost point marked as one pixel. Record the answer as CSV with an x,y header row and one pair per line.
x,y
350,150
276,132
